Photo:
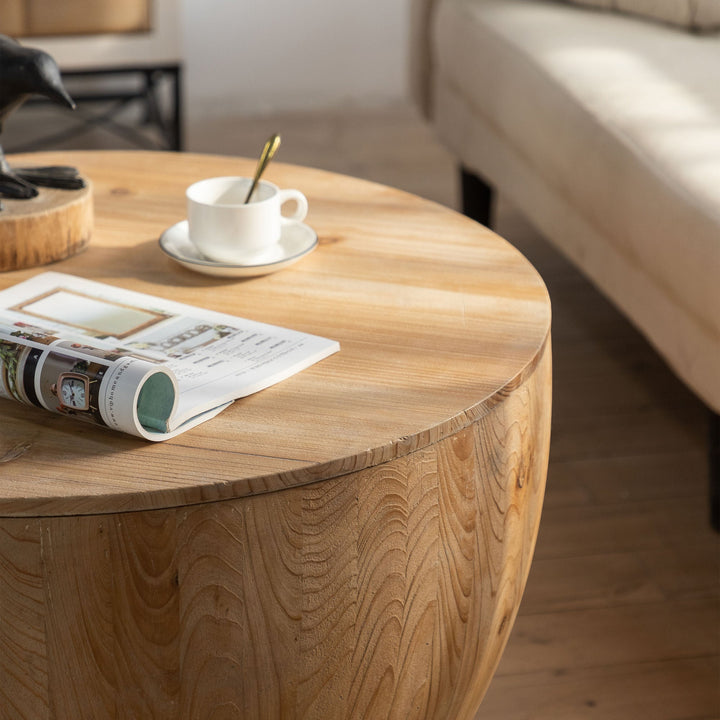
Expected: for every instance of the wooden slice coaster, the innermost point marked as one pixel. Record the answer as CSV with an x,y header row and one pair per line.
x,y
50,227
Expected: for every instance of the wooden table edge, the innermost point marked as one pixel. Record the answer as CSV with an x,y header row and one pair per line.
x,y
70,505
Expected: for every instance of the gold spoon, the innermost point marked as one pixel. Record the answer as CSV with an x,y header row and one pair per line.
x,y
271,146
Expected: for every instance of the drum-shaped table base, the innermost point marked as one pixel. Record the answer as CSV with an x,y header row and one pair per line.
x,y
350,543
388,592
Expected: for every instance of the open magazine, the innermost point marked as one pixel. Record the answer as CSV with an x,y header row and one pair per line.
x,y
133,362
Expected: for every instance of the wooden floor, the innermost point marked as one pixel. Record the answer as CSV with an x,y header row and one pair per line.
x,y
621,616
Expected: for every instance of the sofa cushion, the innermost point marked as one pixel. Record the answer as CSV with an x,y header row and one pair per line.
x,y
619,120
696,15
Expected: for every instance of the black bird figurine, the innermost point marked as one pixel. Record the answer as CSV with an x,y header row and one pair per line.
x,y
25,72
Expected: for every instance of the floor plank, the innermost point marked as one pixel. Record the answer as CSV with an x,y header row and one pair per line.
x,y
622,634
659,690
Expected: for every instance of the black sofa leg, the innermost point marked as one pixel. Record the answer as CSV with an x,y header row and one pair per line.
x,y
714,470
476,196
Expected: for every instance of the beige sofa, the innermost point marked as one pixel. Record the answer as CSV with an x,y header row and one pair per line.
x,y
603,128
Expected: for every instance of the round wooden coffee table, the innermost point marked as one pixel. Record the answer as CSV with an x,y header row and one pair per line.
x,y
352,542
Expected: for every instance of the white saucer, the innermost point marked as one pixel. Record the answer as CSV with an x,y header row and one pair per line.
x,y
296,241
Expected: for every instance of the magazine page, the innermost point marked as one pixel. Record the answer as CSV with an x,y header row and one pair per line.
x,y
102,385
166,366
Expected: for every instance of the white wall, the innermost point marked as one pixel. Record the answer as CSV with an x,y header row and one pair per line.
x,y
255,56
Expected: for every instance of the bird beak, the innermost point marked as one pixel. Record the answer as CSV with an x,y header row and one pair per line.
x,y
60,95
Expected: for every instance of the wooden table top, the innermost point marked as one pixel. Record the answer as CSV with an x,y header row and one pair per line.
x,y
437,318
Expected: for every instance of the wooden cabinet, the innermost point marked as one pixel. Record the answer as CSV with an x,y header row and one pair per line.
x,y
21,18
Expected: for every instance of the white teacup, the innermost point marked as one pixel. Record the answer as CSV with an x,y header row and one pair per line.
x,y
226,229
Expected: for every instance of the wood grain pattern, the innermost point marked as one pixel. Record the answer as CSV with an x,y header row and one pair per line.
x,y
24,688
351,545
396,280
50,227
79,624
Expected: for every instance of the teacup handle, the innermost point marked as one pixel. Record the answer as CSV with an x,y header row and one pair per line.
x,y
301,203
